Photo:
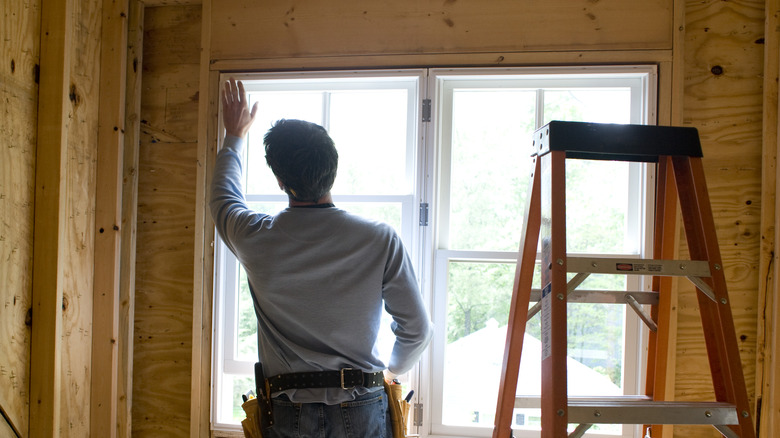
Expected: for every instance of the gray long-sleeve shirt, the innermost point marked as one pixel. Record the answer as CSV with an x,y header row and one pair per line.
x,y
319,277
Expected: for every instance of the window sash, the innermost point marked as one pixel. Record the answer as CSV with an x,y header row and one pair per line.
x,y
640,80
226,362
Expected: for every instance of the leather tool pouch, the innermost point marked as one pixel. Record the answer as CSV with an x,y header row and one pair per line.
x,y
264,403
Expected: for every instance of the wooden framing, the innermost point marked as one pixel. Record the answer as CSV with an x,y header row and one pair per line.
x,y
48,251
768,342
108,217
135,21
202,302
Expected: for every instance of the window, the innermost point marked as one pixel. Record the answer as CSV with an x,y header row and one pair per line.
x,y
484,123
454,188
372,118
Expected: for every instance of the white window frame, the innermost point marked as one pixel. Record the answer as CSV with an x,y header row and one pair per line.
x,y
429,254
226,265
642,79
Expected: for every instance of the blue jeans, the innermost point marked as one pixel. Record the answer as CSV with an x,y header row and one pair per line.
x,y
366,416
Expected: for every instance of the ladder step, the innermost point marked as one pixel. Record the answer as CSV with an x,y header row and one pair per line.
x,y
640,410
606,141
666,268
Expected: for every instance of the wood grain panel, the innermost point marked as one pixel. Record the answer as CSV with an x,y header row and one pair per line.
x,y
50,244
251,30
768,331
723,99
84,53
19,52
170,73
108,218
163,320
166,218
129,217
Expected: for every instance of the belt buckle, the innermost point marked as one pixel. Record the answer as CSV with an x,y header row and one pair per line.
x,y
341,372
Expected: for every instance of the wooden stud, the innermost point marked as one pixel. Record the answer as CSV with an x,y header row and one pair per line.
x,y
108,217
768,333
50,217
129,217
204,240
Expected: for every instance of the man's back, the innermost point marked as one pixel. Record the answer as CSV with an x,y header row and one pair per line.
x,y
318,278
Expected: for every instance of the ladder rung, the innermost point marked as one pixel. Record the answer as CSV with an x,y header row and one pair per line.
x,y
681,268
603,296
535,401
640,410
651,412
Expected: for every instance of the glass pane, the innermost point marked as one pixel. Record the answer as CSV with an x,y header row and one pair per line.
x,y
597,207
491,148
596,191
478,298
598,105
238,385
272,106
387,212
369,128
246,348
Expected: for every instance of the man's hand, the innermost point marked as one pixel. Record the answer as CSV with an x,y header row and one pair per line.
x,y
235,112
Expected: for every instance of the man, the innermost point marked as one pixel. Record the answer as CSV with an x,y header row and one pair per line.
x,y
319,277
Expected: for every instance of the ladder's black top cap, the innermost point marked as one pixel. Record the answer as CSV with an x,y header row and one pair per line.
x,y
609,141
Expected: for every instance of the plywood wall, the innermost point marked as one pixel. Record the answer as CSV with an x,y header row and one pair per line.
x,y
723,99
19,58
251,30
166,216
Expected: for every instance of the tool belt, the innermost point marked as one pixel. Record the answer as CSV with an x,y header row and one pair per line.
x,y
259,411
345,378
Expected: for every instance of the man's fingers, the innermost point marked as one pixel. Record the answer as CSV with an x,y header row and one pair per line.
x,y
241,92
254,111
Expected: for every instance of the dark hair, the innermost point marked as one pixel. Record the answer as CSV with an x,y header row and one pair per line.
x,y
303,156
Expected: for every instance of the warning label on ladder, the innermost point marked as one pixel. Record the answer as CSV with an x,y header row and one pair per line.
x,y
546,321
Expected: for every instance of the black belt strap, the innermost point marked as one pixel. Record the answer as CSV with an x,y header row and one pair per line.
x,y
345,378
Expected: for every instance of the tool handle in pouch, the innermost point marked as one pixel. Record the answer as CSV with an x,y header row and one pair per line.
x,y
251,424
399,409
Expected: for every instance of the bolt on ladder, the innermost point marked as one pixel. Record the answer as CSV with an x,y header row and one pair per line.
x,y
680,175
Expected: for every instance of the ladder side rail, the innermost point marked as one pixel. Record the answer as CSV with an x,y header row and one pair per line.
x,y
695,235
518,310
703,243
554,343
664,233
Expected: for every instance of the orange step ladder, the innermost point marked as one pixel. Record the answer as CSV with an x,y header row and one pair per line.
x,y
680,175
